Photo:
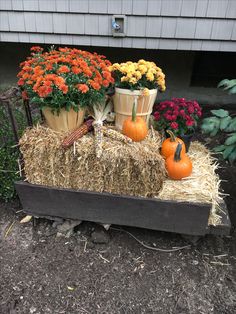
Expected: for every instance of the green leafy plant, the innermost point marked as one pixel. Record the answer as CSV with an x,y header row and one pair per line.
x,y
221,121
229,85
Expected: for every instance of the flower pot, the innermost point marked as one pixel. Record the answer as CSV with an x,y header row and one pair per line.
x,y
123,104
65,121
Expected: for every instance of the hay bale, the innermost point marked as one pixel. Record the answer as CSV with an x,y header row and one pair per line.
x,y
203,186
130,169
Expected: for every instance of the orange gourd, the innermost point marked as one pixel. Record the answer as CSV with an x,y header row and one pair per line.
x,y
135,127
170,144
178,165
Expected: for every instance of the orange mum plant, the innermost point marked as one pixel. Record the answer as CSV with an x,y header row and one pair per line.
x,y
64,78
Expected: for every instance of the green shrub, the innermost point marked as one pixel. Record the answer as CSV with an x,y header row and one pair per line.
x,y
221,121
9,155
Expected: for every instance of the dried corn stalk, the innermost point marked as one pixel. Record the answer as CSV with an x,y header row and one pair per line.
x,y
100,113
78,133
115,135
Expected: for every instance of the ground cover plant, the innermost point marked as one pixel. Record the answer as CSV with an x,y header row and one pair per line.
x,y
9,154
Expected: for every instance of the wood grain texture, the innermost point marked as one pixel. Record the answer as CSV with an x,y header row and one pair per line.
x,y
179,217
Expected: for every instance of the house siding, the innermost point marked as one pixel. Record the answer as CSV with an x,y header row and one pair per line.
x,y
151,24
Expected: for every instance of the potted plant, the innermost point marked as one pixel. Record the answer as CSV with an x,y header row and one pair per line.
x,y
64,83
136,81
179,116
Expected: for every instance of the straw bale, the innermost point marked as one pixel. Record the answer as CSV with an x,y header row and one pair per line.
x,y
203,186
130,169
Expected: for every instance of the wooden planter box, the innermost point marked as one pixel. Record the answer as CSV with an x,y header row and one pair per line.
x,y
179,217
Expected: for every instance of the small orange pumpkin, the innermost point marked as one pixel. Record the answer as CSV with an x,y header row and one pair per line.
x,y
178,165
170,144
135,127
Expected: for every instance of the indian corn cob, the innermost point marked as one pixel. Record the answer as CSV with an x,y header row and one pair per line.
x,y
78,133
115,135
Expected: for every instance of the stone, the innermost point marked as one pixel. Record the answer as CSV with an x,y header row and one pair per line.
x,y
68,225
100,237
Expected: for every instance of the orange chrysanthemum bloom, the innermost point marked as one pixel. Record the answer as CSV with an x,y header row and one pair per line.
x,y
63,69
83,88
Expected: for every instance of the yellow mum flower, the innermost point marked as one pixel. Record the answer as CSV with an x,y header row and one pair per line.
x,y
150,76
133,80
142,69
138,75
124,79
145,92
115,66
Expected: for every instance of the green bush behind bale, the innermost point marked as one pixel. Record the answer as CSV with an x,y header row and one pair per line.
x,y
8,154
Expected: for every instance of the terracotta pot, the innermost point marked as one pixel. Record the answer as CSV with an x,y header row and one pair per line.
x,y
65,121
123,104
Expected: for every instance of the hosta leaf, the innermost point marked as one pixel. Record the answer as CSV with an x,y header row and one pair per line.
x,y
231,140
232,156
223,82
230,84
221,113
225,122
228,151
207,128
219,148
232,90
232,126
214,132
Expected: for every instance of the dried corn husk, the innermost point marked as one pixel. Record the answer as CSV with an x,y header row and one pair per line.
x,y
101,111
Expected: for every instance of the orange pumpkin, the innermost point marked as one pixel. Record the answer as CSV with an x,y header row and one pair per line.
x,y
170,144
178,165
135,127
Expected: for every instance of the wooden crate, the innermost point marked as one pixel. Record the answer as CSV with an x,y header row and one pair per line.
x,y
179,217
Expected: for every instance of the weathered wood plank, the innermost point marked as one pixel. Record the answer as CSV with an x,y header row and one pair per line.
x,y
231,10
133,30
222,29
91,23
217,8
17,4
153,26
81,40
188,8
140,7
201,8
79,6
4,21
75,23
185,28
179,217
29,20
63,6
168,27
5,5
203,28
44,22
167,44
36,38
48,5
171,7
127,7
104,25
97,6
154,7
16,21
31,5
114,6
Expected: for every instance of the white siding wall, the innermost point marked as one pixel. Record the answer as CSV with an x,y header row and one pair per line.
x,y
151,24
